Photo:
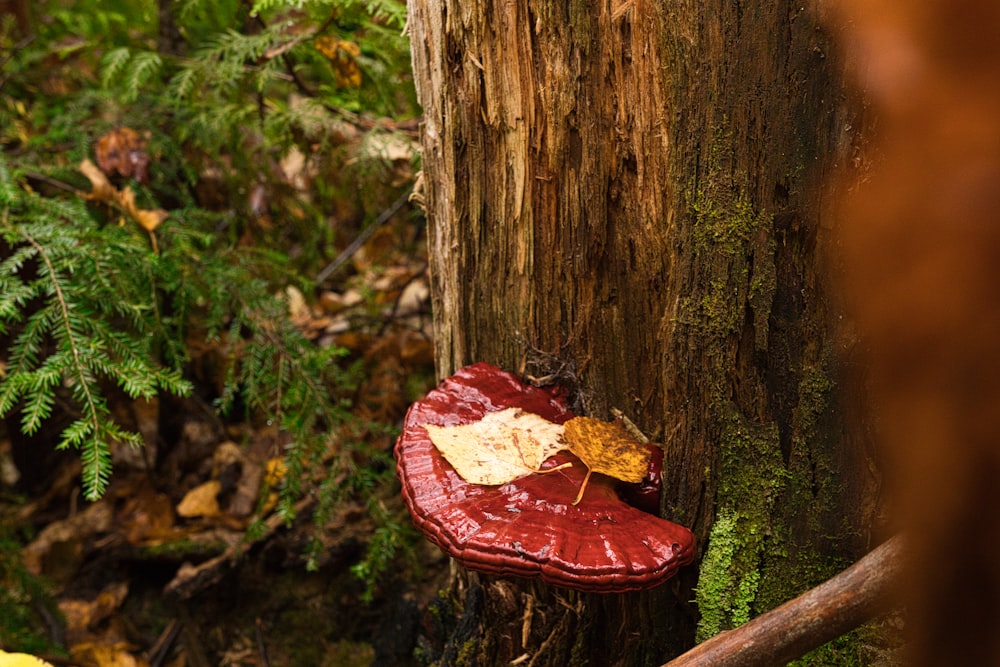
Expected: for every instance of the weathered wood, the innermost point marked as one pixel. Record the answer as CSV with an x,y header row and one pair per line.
x,y
819,615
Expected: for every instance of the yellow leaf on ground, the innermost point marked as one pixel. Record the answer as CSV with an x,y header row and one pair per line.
x,y
21,660
500,447
607,448
275,471
202,500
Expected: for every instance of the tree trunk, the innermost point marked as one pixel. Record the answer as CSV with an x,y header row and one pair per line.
x,y
625,198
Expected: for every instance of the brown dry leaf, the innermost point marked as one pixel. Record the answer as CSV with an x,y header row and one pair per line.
x,y
148,219
202,500
84,615
102,190
147,516
500,447
298,310
123,151
65,539
607,448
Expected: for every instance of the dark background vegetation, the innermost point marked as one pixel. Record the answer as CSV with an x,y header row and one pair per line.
x,y
213,310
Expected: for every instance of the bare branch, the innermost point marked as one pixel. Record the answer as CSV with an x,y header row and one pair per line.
x,y
826,612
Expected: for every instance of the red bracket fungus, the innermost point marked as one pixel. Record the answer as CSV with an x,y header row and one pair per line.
x,y
529,527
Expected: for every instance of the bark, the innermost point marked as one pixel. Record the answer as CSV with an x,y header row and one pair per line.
x,y
624,198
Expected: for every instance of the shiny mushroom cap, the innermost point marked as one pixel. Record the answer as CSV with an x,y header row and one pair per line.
x,y
529,527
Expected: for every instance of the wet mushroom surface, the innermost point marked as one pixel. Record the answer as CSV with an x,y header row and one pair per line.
x,y
529,527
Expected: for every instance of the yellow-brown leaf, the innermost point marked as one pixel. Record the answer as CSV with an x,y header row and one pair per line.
x,y
607,448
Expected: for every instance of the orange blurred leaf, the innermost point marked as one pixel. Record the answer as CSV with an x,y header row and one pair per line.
x,y
84,615
105,655
101,188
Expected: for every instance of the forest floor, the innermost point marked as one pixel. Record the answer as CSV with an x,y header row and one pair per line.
x,y
161,570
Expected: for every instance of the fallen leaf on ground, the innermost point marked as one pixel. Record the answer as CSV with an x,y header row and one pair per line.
x,y
84,615
21,660
202,500
500,447
607,448
147,516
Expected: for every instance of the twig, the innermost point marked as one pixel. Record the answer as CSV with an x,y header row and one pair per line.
x,y
826,612
157,655
193,579
261,647
54,183
365,234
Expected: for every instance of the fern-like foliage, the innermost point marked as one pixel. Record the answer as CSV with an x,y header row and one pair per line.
x,y
88,305
74,323
83,307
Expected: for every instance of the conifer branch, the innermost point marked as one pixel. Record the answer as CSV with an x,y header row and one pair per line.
x,y
98,456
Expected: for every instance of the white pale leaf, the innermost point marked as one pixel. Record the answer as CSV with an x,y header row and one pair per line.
x,y
500,447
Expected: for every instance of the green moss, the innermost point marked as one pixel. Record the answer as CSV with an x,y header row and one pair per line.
x,y
182,549
724,220
722,595
845,651
22,596
467,654
775,508
733,273
734,262
751,477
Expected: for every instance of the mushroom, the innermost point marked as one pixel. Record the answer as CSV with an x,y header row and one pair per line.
x,y
529,527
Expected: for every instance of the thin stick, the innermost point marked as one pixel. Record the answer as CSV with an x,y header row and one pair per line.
x,y
365,234
826,612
